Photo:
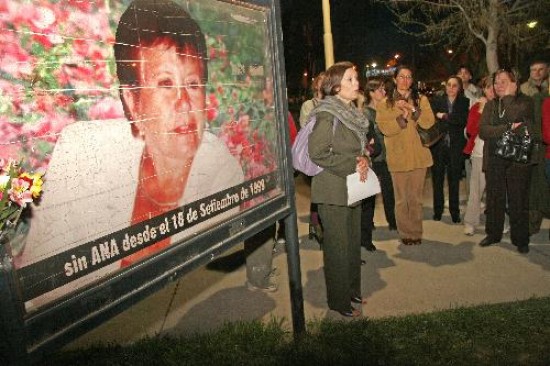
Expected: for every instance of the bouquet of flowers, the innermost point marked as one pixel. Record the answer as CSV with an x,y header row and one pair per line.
x,y
17,189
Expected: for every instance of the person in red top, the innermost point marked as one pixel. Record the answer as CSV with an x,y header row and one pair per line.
x,y
474,148
546,137
292,131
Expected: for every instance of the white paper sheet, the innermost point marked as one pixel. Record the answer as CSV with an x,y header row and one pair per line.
x,y
358,190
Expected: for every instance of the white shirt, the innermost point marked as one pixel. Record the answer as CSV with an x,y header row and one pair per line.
x,y
90,187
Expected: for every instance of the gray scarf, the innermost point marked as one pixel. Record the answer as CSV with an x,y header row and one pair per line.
x,y
348,114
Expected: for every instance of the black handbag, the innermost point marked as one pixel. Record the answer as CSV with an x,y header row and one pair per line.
x,y
429,136
515,145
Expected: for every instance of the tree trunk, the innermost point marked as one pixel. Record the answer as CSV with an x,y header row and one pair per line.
x,y
491,45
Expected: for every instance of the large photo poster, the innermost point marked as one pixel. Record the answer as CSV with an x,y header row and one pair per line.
x,y
152,121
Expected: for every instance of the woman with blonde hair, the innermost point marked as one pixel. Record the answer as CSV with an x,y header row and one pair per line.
x,y
474,148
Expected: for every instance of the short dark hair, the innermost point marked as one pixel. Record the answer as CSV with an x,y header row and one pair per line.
x,y
402,67
538,61
458,80
333,77
148,22
372,85
465,68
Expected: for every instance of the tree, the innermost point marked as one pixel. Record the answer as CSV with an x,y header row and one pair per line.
x,y
499,26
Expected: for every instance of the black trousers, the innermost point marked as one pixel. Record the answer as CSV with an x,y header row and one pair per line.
x,y
386,185
367,218
507,180
450,160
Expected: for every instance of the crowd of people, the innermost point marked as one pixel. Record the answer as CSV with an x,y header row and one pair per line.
x,y
376,128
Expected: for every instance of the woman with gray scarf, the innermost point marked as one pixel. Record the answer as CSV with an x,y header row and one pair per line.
x,y
337,144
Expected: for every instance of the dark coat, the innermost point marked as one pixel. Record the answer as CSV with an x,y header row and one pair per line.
x,y
456,121
336,153
497,115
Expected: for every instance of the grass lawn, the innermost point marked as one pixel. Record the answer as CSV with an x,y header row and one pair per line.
x,y
515,333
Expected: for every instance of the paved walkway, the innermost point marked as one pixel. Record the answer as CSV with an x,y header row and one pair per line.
x,y
448,270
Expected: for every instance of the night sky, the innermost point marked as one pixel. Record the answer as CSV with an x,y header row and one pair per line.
x,y
362,33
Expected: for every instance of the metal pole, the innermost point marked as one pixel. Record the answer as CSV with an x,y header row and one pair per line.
x,y
294,273
327,36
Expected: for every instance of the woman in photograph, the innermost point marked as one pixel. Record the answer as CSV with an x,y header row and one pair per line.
x,y
507,181
107,176
397,116
337,144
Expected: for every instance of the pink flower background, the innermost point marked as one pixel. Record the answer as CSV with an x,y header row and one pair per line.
x,y
57,67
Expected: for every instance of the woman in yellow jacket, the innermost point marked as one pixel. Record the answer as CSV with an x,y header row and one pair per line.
x,y
398,116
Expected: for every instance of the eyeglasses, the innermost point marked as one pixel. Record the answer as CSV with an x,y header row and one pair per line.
x,y
404,76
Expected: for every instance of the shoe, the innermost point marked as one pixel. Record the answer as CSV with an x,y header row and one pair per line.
x,y
370,247
351,313
407,241
271,287
488,241
456,219
437,217
358,300
469,229
524,249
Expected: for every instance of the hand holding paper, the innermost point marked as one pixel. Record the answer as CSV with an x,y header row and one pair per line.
x,y
358,190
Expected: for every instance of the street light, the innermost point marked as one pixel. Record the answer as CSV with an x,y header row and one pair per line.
x,y
532,24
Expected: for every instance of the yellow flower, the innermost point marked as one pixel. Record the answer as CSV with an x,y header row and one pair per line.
x,y
36,187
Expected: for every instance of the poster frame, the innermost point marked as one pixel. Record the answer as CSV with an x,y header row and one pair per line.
x,y
32,335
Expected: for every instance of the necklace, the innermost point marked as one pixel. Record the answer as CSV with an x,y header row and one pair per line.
x,y
500,110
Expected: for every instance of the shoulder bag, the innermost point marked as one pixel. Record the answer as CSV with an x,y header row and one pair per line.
x,y
515,145
300,154
429,136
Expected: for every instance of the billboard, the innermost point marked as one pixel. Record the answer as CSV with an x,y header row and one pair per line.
x,y
153,121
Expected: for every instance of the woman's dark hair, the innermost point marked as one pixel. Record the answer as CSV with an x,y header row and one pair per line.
x,y
372,85
458,80
333,77
394,95
316,85
146,23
